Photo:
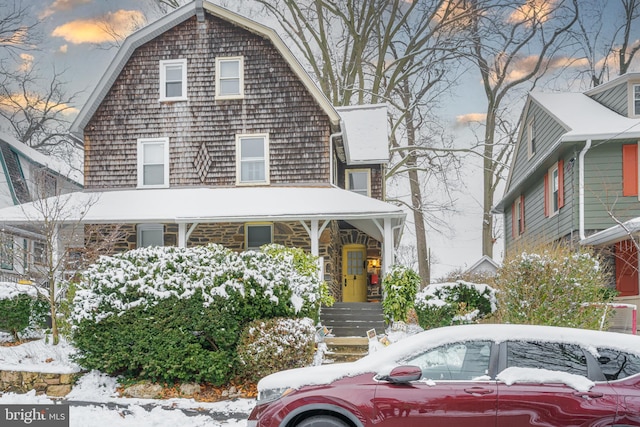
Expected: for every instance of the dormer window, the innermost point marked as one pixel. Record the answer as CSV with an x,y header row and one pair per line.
x,y
153,162
173,80
636,100
230,77
252,159
359,181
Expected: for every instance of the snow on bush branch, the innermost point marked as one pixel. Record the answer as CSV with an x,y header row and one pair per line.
x,y
145,276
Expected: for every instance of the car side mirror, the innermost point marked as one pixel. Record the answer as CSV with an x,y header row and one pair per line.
x,y
403,374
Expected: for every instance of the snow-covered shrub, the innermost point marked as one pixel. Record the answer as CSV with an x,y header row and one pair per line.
x,y
399,287
176,314
21,309
272,345
454,303
555,286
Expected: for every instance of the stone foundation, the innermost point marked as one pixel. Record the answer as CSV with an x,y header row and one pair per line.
x,y
54,385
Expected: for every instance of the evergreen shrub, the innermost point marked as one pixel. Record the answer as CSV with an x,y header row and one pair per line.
x,y
454,303
176,314
21,311
399,286
273,345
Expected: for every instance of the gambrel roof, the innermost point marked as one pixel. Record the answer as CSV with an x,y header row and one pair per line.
x,y
194,8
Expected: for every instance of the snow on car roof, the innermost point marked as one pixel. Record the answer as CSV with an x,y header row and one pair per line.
x,y
385,359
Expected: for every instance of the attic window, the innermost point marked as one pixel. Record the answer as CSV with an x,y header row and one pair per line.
x,y
636,100
173,80
531,138
230,77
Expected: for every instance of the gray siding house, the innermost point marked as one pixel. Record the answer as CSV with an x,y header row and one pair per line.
x,y
206,129
574,175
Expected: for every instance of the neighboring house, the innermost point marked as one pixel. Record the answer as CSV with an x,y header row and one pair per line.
x,y
27,175
485,266
574,175
206,129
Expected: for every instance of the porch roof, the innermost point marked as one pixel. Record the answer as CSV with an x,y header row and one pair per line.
x,y
207,205
615,234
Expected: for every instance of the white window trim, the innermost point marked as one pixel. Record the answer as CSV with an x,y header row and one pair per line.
x,y
632,101
240,60
551,200
347,183
239,138
255,224
141,143
147,227
530,139
163,80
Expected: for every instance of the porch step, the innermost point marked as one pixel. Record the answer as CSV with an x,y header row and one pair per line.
x,y
345,349
353,319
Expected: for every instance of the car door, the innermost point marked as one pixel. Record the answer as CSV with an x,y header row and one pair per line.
x,y
552,392
456,389
622,370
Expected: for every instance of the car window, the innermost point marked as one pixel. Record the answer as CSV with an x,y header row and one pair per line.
x,y
617,364
458,361
543,355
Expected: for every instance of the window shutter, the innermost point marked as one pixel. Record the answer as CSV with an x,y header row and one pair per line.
x,y
560,183
630,170
546,195
522,214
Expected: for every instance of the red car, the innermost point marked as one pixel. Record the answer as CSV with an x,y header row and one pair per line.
x,y
472,375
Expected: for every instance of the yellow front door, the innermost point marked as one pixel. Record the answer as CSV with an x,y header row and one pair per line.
x,y
354,274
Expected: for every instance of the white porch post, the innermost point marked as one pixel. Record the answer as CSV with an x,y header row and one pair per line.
x,y
182,235
315,238
387,246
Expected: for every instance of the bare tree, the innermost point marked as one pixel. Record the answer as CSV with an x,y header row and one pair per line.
x,y
35,108
16,29
607,46
512,46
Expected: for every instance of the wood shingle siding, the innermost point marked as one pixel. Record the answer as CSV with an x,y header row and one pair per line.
x,y
275,102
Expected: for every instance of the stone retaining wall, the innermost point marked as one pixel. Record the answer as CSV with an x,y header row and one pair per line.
x,y
54,385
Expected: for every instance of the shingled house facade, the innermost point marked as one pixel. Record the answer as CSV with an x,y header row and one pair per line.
x,y
205,129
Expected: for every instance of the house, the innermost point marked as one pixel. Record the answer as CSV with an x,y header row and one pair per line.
x,y
206,129
574,175
485,266
27,175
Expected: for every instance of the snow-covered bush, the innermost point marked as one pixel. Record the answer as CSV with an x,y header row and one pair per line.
x,y
21,309
399,287
555,286
272,345
176,314
454,303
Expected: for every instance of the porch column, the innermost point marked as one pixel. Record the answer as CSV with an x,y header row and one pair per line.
x,y
314,234
182,235
387,246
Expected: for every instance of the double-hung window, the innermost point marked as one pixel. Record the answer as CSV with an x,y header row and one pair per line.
x,y
517,217
554,189
359,181
636,100
173,80
150,235
153,162
252,159
230,77
257,235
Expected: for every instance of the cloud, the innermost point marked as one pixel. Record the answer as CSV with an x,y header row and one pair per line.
x,y
16,38
465,119
27,62
521,67
63,48
107,28
533,11
17,101
61,6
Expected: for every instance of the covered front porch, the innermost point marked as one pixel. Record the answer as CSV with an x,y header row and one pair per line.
x,y
354,236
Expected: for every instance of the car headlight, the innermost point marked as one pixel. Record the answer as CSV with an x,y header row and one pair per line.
x,y
269,395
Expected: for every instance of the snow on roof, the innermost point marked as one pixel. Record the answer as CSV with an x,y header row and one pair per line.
x,y
613,234
50,162
366,135
202,204
585,118
387,358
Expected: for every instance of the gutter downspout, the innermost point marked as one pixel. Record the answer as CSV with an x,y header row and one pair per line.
x,y
581,156
331,139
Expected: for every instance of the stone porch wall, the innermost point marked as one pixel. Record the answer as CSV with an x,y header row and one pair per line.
x,y
54,385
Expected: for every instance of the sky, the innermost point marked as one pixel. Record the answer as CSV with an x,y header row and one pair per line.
x,y
75,40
